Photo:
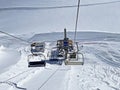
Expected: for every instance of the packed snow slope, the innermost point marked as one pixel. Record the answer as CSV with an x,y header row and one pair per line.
x,y
101,70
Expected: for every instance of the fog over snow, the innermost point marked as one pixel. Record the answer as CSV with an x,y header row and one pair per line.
x,y
102,18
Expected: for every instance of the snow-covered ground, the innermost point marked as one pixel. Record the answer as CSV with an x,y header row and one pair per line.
x,y
101,70
8,57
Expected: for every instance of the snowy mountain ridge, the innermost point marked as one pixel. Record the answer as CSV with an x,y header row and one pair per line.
x,y
81,36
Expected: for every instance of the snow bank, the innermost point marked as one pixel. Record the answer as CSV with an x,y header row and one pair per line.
x,y
8,57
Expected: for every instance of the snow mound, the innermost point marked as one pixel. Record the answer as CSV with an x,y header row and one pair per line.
x,y
8,57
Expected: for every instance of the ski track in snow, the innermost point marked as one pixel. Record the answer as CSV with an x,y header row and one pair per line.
x,y
18,73
101,71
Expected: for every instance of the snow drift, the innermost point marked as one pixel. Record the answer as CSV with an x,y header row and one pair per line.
x,y
100,71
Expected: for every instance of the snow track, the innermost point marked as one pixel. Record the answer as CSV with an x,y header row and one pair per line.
x,y
17,74
13,84
42,85
50,78
100,71
94,77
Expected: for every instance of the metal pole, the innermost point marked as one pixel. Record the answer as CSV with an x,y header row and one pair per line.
x,y
76,20
65,34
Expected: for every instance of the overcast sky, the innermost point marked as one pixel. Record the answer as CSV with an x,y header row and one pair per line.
x,y
101,18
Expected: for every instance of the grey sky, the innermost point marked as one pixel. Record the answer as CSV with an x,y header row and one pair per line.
x,y
93,18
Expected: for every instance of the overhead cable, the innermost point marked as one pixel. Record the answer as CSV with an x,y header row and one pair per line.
x,y
55,7
14,37
76,23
